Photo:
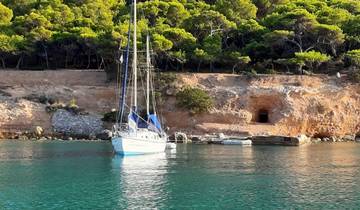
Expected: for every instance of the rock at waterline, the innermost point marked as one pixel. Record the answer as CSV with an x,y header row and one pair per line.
x,y
105,135
38,131
76,125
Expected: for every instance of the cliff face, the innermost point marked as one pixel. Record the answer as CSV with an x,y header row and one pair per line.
x,y
19,91
278,105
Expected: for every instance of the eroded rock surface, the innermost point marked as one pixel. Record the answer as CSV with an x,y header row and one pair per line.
x,y
71,124
317,106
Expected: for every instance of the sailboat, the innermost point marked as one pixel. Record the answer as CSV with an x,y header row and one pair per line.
x,y
139,135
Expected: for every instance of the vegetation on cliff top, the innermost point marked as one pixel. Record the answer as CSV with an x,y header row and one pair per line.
x,y
194,99
238,35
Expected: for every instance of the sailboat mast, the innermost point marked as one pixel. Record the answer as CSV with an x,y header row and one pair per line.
x,y
148,75
135,57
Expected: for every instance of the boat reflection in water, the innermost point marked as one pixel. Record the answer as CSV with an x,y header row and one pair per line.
x,y
142,180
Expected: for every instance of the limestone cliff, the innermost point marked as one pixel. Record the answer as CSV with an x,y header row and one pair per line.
x,y
278,105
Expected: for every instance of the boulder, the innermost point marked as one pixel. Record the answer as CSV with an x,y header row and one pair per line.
x,y
303,139
179,136
105,135
316,140
38,131
349,137
221,135
71,124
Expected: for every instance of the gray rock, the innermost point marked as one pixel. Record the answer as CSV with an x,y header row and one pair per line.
x,y
38,131
326,139
180,136
71,124
196,138
316,140
105,135
349,138
333,139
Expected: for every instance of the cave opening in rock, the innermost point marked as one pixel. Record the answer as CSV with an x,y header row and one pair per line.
x,y
263,116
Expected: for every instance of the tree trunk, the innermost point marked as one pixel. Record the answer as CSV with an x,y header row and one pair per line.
x,y
66,60
89,59
46,55
102,63
3,63
19,61
199,65
166,64
233,69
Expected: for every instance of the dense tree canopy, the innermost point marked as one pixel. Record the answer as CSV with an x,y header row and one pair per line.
x,y
194,35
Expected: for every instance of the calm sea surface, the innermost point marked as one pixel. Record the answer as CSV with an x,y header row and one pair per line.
x,y
86,175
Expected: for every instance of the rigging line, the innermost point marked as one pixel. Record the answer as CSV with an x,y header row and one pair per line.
x,y
152,82
125,73
152,91
142,82
119,69
118,89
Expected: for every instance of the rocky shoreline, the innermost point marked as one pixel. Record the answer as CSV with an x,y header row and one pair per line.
x,y
182,138
272,109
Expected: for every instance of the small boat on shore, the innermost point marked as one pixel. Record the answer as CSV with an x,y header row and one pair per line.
x,y
233,141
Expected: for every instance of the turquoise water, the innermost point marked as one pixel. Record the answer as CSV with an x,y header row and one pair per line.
x,y
86,175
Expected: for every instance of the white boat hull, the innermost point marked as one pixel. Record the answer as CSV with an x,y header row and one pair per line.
x,y
132,145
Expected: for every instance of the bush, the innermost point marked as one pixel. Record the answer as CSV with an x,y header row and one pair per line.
x,y
110,116
165,80
43,99
270,71
72,104
355,76
194,99
354,57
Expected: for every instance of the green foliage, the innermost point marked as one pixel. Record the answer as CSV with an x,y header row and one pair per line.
x,y
236,10
5,14
311,59
194,99
355,76
110,116
222,34
165,80
72,104
354,56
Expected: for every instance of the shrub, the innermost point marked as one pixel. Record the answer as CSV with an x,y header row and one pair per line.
x,y
43,99
165,80
194,99
354,57
355,76
311,59
110,116
270,71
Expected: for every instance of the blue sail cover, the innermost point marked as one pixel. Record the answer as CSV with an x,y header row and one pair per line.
x,y
154,123
132,121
